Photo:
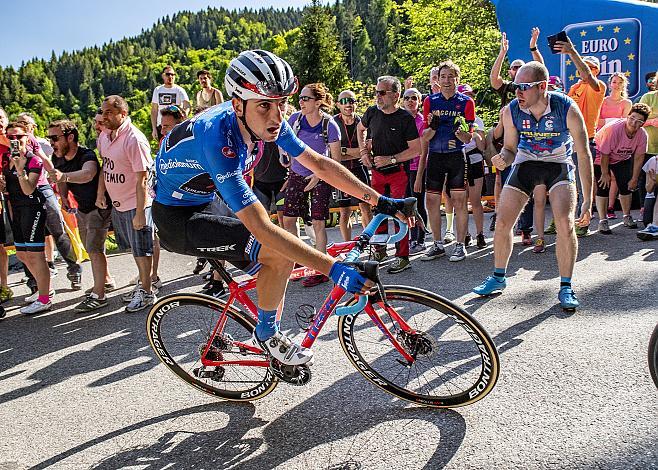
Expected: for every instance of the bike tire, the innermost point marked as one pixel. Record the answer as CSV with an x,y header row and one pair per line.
x,y
178,327
653,356
453,335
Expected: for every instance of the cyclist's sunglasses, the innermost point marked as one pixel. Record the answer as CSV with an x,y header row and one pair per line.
x,y
527,86
347,101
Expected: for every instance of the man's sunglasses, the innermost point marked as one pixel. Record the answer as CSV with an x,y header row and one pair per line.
x,y
382,92
170,74
16,136
347,101
306,98
54,137
410,97
527,86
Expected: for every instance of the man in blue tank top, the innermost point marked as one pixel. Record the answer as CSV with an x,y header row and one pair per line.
x,y
542,131
209,153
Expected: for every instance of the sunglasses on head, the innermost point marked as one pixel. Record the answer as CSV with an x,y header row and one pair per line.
x,y
527,86
306,98
347,101
174,109
411,97
16,136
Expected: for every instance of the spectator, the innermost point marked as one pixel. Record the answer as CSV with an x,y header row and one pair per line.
x,y
319,131
588,93
621,145
348,121
77,171
449,116
44,144
5,291
650,80
208,95
651,126
650,218
394,140
169,118
165,95
21,171
126,163
411,102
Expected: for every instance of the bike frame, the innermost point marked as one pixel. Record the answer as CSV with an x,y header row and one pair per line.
x,y
238,292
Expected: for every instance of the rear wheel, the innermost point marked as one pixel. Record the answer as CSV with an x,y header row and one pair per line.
x,y
179,327
653,356
454,363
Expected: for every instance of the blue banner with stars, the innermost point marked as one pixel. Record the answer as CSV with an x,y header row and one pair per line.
x,y
616,43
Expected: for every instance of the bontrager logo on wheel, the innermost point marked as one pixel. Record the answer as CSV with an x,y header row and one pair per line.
x,y
155,331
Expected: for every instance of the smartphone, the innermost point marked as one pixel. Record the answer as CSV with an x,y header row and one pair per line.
x,y
14,145
561,36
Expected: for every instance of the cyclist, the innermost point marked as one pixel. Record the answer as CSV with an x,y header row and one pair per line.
x,y
542,130
210,152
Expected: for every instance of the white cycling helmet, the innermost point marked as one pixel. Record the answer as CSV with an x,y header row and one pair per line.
x,y
261,75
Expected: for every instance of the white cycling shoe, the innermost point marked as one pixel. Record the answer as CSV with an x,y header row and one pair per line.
x,y
281,348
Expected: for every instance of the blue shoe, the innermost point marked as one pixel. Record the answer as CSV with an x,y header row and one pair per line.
x,y
567,298
491,285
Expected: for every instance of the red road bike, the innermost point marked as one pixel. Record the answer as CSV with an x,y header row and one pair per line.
x,y
409,342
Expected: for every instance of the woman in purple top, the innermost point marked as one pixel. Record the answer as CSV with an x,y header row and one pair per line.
x,y
319,131
20,174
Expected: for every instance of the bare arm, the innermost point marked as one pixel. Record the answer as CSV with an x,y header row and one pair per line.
x,y
84,175
536,55
100,192
508,153
576,125
584,72
638,161
494,77
408,154
364,151
154,120
139,221
47,162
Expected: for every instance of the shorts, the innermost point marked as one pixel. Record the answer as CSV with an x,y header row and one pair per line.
x,y
297,201
361,173
199,231
449,169
140,241
475,171
3,228
28,224
267,193
525,176
93,227
623,172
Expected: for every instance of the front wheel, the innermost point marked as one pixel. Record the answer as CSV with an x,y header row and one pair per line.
x,y
453,362
179,328
653,356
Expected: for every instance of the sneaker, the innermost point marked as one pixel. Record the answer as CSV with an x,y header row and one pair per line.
x,y
35,296
459,253
649,233
491,285
36,307
379,254
314,280
567,298
611,213
140,301
53,271
540,246
207,276
415,248
467,239
109,286
128,296
480,241
200,264
526,239
448,238
399,265
435,251
76,280
216,290
582,231
629,222
281,348
604,227
551,230
156,285
492,225
92,302
5,293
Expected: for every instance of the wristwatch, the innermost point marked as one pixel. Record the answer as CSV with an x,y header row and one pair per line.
x,y
394,160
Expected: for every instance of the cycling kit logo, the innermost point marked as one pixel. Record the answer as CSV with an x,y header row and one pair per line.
x,y
201,184
228,152
616,43
165,166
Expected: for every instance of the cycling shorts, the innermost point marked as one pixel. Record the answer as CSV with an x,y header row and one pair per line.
x,y
623,172
475,171
525,176
449,169
361,172
198,231
297,201
28,224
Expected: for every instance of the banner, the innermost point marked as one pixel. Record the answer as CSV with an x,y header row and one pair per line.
x,y
621,34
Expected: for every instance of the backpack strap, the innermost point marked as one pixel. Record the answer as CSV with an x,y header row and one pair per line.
x,y
325,128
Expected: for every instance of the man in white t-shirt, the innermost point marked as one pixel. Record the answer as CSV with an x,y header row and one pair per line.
x,y
167,95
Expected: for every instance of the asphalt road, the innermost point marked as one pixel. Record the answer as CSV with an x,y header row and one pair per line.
x,y
85,390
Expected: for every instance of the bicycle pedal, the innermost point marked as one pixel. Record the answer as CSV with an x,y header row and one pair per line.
x,y
217,374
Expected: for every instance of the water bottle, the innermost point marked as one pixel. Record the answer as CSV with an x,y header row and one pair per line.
x,y
620,34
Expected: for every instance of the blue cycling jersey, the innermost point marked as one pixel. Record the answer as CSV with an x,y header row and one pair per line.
x,y
206,154
446,110
545,139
